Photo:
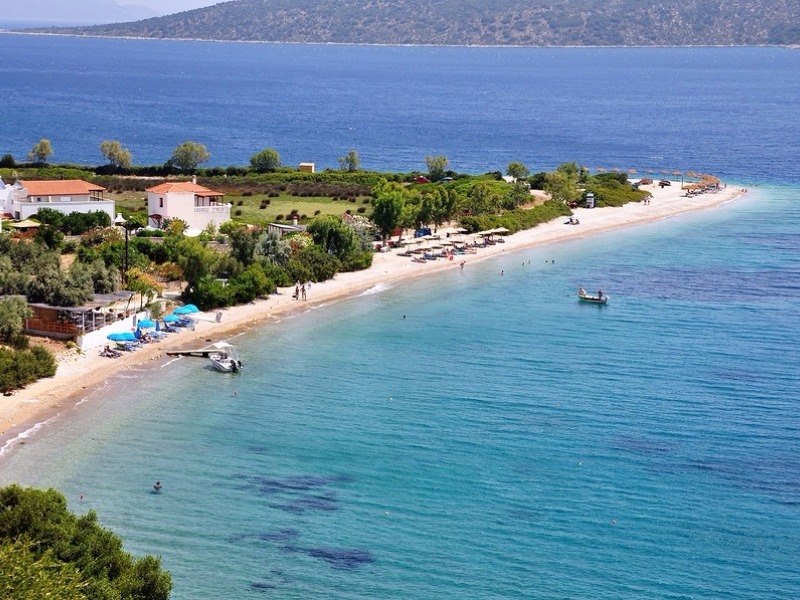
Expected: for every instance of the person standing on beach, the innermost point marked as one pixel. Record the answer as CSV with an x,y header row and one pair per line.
x,y
297,291
303,291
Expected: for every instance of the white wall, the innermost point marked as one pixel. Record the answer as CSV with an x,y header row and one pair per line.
x,y
28,209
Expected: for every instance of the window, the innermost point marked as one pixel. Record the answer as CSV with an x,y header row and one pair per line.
x,y
161,203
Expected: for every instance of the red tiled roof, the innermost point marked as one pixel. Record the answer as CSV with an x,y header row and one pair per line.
x,y
183,187
61,187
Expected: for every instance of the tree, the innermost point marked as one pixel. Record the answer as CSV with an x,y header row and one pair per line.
x,y
41,151
266,161
272,250
446,203
436,166
388,202
561,186
188,155
517,170
118,156
24,574
67,544
350,161
334,236
483,198
13,312
243,244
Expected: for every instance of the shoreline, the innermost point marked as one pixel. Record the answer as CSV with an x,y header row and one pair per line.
x,y
28,411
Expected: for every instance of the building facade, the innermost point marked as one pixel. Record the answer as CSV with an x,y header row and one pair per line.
x,y
23,199
198,206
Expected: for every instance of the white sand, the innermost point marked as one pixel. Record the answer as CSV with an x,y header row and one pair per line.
x,y
78,374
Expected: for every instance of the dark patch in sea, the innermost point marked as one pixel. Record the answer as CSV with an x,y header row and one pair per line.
x,y
640,445
338,558
278,535
263,586
299,483
325,503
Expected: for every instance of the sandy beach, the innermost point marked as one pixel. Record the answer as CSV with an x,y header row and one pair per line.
x,y
28,410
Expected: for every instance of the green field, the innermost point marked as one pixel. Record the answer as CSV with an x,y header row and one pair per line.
x,y
262,209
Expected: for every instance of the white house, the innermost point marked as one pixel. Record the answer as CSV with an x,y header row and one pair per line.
x,y
24,199
188,201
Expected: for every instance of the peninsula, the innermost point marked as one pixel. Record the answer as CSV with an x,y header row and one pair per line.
x,y
79,374
474,23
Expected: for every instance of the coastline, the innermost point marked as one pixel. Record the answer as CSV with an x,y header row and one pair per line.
x,y
28,411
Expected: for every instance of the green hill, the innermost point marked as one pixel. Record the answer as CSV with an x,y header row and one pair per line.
x,y
477,22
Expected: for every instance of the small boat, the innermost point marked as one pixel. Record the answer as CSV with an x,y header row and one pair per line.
x,y
600,298
225,358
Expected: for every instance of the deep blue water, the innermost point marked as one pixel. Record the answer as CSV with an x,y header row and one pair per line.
x,y
700,109
503,440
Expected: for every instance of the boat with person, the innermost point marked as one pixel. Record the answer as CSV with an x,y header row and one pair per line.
x,y
600,298
225,358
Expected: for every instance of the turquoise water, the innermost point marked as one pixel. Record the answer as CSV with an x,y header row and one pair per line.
x,y
500,441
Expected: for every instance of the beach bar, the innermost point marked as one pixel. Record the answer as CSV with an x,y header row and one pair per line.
x,y
86,325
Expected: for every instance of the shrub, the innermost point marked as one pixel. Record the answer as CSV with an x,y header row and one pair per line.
x,y
239,202
237,212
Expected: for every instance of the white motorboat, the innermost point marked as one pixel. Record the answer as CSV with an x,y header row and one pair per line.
x,y
224,357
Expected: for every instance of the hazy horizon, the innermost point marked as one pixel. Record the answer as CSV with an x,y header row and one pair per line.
x,y
94,11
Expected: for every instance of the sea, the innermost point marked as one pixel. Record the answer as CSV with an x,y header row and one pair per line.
x,y
478,433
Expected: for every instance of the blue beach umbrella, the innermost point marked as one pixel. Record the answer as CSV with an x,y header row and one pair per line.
x,y
191,308
147,324
182,310
171,319
122,336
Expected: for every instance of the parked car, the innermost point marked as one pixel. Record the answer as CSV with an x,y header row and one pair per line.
x,y
421,179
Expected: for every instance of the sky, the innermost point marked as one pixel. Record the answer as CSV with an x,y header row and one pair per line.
x,y
82,11
167,7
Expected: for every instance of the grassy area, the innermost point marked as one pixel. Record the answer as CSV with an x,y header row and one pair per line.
x,y
263,208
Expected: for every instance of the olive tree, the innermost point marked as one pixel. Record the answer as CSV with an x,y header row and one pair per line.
x,y
118,156
436,166
189,155
13,312
265,161
517,170
41,151
350,161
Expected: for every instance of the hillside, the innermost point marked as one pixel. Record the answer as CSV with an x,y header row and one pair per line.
x,y
476,22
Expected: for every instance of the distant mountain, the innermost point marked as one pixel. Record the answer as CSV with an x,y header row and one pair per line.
x,y
74,11
480,22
